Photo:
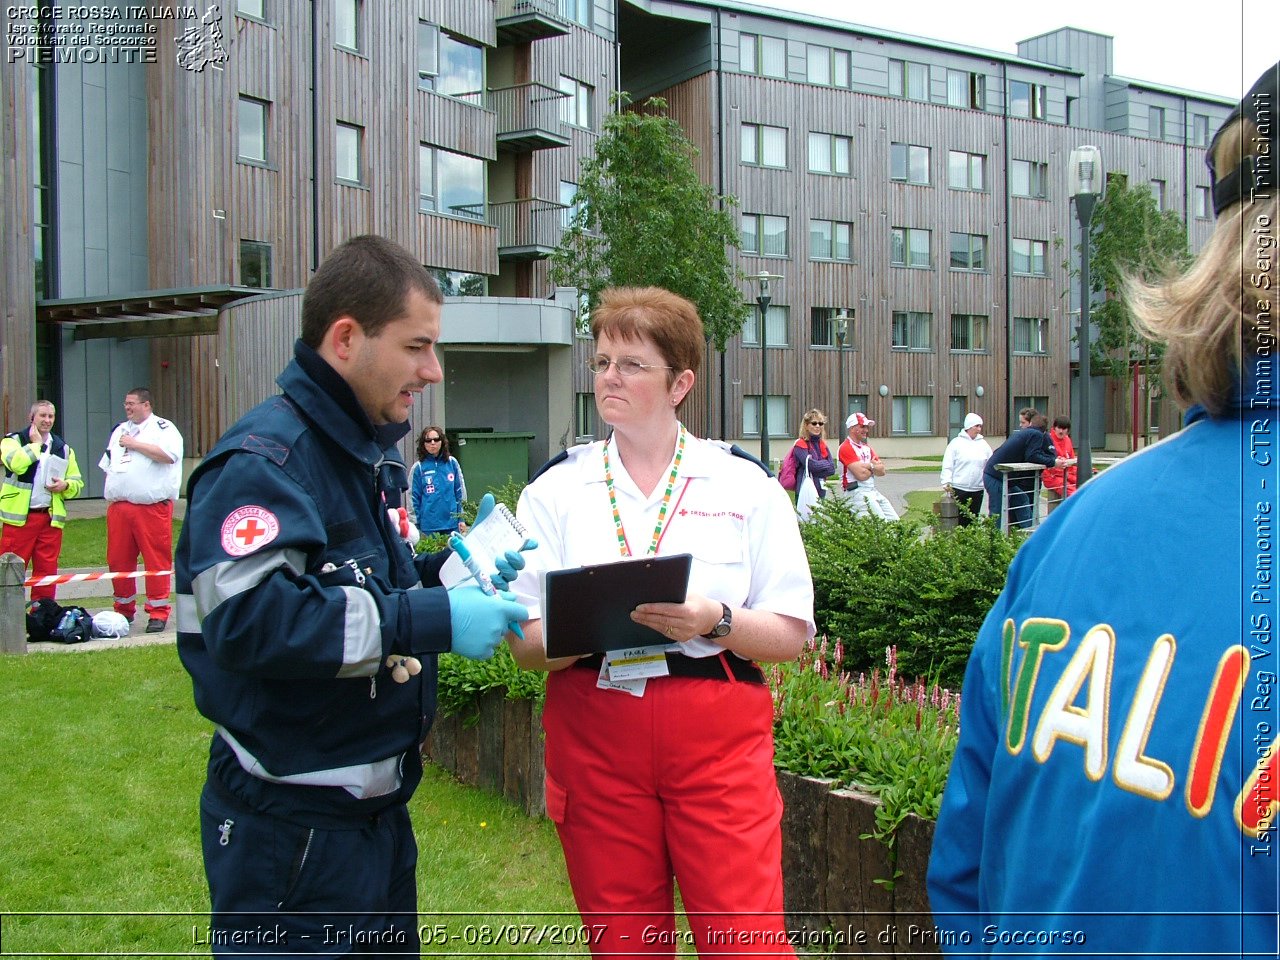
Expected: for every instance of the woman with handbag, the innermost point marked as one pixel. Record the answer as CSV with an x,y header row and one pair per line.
x,y
810,456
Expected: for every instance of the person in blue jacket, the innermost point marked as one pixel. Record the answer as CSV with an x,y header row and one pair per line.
x,y
1030,443
436,487
1114,789
311,631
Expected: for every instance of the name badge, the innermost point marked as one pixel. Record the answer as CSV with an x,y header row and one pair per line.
x,y
633,687
637,662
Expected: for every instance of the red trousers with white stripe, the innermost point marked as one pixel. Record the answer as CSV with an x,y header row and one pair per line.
x,y
676,784
147,529
38,542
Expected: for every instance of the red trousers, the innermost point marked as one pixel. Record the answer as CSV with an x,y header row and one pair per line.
x,y
676,784
147,529
38,543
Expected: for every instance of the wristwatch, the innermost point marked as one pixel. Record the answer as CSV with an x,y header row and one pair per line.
x,y
721,629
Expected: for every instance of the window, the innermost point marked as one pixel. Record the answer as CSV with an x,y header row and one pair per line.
x,y
912,330
969,333
450,183
586,420
459,283
252,122
578,11
776,327
966,171
1026,99
1040,404
830,240
913,416
966,89
346,24
575,105
824,328
252,8
1031,336
763,235
348,160
1203,209
908,163
780,424
955,414
1028,257
829,153
968,251
910,248
1199,130
1158,193
827,67
255,264
1028,178
908,79
766,56
1155,123
857,404
569,200
449,66
764,146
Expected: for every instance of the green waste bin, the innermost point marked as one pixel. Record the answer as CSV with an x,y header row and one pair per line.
x,y
490,460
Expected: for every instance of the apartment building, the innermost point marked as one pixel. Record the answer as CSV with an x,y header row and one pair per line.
x,y
167,196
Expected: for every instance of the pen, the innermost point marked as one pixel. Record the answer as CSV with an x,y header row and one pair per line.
x,y
459,547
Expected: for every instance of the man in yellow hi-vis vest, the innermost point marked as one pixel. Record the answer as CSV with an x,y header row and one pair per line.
x,y
40,473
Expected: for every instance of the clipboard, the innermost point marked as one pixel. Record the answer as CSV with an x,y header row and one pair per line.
x,y
588,609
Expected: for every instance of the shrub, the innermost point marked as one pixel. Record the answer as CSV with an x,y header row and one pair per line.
x,y
879,584
464,682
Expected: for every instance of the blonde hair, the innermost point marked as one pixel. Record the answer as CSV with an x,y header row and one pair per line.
x,y
1219,310
814,414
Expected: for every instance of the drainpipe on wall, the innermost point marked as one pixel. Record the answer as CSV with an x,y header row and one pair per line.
x,y
1010,417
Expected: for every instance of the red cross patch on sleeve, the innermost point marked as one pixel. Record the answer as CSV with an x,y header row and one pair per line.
x,y
248,529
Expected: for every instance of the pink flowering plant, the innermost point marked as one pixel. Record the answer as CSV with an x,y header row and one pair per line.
x,y
889,736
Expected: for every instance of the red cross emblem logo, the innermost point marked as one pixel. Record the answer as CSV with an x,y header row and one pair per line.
x,y
248,529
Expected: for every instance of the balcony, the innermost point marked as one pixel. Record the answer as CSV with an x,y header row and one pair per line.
x,y
528,229
520,21
528,117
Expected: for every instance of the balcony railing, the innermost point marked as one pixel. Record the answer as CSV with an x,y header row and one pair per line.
x,y
520,21
528,229
528,117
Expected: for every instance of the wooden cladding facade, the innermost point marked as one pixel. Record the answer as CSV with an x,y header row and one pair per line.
x,y
17,256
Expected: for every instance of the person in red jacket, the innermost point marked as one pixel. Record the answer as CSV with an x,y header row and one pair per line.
x,y
1055,477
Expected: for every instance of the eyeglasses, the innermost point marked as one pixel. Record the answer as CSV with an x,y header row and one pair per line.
x,y
431,439
817,423
627,366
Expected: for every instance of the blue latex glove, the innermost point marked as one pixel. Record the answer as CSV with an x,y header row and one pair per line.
x,y
479,620
510,563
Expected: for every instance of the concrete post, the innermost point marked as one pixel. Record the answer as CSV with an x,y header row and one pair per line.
x,y
13,604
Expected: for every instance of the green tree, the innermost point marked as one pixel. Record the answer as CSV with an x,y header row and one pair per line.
x,y
643,218
1131,237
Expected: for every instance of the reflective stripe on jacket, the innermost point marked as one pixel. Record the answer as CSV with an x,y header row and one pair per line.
x,y
21,459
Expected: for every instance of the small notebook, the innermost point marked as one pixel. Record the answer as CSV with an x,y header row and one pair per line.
x,y
499,532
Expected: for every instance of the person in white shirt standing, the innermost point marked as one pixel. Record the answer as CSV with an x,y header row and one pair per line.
x,y
143,464
962,466
860,465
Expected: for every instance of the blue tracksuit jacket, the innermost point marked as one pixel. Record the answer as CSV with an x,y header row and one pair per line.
x,y
1115,785
292,590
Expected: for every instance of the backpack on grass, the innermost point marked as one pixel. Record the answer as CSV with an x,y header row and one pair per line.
x,y
76,626
43,616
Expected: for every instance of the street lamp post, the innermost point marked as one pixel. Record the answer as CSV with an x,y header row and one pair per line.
x,y
1086,181
842,333
762,301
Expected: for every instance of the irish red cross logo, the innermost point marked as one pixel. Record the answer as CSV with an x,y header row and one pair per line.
x,y
248,529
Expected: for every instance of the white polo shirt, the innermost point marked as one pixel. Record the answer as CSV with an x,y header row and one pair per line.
x,y
735,520
137,478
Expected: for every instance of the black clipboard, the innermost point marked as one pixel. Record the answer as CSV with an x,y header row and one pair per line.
x,y
588,609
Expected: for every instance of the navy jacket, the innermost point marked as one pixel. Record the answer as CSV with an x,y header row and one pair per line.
x,y
1027,445
293,588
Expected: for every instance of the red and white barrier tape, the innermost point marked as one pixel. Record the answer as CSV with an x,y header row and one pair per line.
x,y
71,577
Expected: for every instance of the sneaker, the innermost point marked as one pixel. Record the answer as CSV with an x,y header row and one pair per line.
x,y
155,626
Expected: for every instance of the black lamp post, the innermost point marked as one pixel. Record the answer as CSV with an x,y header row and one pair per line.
x,y
842,335
762,301
1086,181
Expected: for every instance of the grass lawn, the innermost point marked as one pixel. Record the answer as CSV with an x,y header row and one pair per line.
x,y
106,760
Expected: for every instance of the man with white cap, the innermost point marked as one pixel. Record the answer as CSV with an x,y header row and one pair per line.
x,y
962,465
859,467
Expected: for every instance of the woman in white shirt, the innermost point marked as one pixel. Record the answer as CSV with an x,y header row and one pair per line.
x,y
670,776
962,465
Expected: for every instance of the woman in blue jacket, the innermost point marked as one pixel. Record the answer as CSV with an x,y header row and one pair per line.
x,y
436,487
